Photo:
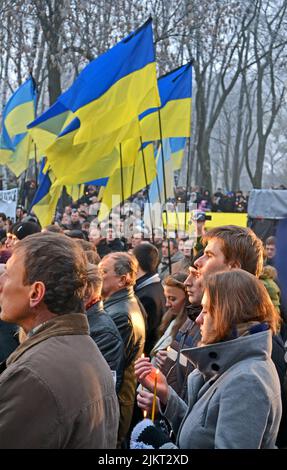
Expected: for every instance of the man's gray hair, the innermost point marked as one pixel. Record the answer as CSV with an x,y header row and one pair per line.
x,y
125,264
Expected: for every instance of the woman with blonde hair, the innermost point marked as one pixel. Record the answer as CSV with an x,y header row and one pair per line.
x,y
234,393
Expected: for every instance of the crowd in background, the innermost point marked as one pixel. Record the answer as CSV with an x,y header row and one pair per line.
x,y
148,295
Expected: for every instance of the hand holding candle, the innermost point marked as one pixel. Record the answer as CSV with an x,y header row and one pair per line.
x,y
144,411
145,373
154,396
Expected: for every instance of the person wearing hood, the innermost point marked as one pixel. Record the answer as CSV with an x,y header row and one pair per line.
x,y
234,391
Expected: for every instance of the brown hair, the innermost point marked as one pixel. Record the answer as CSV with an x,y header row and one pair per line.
x,y
61,265
124,264
249,302
94,281
90,250
239,244
176,280
270,240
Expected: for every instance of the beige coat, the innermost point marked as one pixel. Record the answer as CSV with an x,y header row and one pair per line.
x,y
57,391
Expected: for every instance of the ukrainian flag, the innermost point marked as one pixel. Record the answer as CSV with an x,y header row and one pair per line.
x,y
175,91
46,198
106,99
135,175
77,190
45,129
177,146
115,88
74,164
15,142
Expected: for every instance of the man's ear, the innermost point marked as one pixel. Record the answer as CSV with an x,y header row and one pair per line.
x,y
123,281
37,293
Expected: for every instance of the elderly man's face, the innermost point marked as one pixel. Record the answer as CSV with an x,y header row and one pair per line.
x,y
112,282
14,295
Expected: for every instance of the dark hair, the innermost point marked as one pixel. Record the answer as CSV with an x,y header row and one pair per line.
x,y
3,216
90,250
24,229
75,234
269,241
249,301
53,228
61,264
173,241
147,256
239,244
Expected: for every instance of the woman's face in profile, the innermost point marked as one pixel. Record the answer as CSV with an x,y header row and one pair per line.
x,y
205,320
175,298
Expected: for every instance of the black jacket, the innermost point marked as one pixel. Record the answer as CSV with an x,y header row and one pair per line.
x,y
108,339
129,317
150,292
104,248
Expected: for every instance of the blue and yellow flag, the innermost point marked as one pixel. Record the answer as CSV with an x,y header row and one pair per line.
x,y
137,172
175,91
115,88
46,198
15,142
177,146
46,128
156,190
105,102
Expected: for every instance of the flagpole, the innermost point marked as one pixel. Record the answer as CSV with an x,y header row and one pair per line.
x,y
187,181
158,188
36,167
122,180
164,190
146,184
133,177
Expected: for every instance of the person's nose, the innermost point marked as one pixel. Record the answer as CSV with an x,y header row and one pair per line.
x,y
199,319
189,281
199,262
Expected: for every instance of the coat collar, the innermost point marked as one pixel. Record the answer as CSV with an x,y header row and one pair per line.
x,y
123,294
147,280
96,309
212,360
62,325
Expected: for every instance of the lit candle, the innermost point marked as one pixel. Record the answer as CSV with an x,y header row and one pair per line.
x,y
144,411
154,396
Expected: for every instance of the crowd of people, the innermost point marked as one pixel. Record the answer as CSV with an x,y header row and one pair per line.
x,y
98,319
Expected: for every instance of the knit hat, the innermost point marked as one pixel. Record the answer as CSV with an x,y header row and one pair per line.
x,y
23,229
146,435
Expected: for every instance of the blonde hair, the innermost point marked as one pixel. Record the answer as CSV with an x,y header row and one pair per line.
x,y
235,297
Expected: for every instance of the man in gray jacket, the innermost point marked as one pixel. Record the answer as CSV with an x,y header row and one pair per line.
x,y
57,391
